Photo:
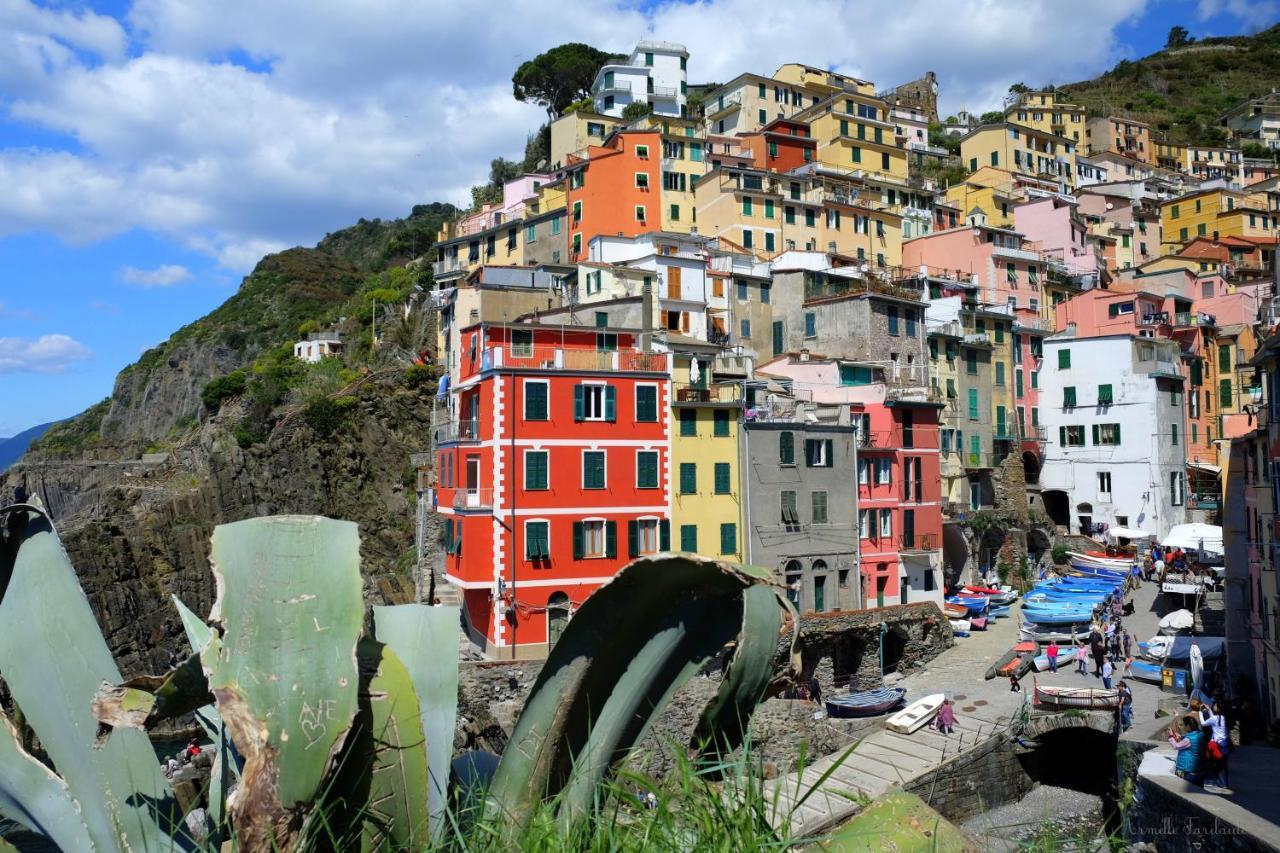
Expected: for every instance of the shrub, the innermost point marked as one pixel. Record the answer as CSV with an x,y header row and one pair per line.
x,y
1059,553
245,438
326,416
231,385
416,375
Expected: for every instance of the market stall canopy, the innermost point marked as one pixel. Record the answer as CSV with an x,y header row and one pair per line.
x,y
1129,533
1206,537
1178,620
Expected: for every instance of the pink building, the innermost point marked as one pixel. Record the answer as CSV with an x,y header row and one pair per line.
x,y
1053,223
1006,270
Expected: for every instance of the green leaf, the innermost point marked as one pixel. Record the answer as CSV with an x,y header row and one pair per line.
x,y
35,797
54,659
630,645
198,633
423,638
284,670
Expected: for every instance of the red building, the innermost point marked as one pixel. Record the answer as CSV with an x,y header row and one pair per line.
x,y
899,501
616,189
781,145
552,473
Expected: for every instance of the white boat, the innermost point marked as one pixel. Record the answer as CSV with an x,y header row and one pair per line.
x,y
1084,698
959,624
1121,565
916,714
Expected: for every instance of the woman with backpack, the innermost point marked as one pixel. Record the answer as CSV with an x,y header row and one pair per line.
x,y
1218,747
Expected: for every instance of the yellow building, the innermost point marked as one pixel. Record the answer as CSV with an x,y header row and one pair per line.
x,y
1118,135
944,379
750,101
1020,149
1170,155
684,149
705,474
576,131
820,82
1046,112
989,189
998,327
855,134
1214,213
768,214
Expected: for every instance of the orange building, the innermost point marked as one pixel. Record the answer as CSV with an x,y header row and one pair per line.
x,y
780,146
616,189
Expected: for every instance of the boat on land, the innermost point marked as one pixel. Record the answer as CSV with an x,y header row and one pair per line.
x,y
955,611
1011,660
916,714
960,626
978,623
1096,561
1003,610
1045,633
1083,698
866,703
973,605
1142,670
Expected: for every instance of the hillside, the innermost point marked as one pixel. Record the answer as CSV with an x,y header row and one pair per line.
x,y
16,445
1181,92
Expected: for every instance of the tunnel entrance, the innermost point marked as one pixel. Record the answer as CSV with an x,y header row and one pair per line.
x,y
893,646
1081,759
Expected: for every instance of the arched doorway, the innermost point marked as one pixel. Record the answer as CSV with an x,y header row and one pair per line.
x,y
1058,507
1031,467
893,644
793,578
819,572
557,617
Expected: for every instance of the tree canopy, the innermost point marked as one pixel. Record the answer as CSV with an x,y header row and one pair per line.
x,y
1178,37
560,76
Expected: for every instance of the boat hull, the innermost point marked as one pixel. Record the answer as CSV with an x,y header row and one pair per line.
x,y
1081,698
915,715
866,704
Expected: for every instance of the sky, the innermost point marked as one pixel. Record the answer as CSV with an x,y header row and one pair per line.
x,y
152,151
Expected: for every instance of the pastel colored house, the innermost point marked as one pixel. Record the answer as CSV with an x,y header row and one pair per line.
x,y
1047,112
614,189
656,73
854,133
749,102
1122,136
1008,270
1021,149
1054,223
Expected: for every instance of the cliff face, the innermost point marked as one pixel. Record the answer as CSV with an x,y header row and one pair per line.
x,y
138,534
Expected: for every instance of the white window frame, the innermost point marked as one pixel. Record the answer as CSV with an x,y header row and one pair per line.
x,y
642,153
583,480
657,468
864,471
886,523
641,213
524,471
1104,483
529,521
864,524
524,399
1102,438
586,415
642,180
884,472
641,524
587,536
657,401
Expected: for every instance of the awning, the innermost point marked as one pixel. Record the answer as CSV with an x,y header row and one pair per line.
x,y
1204,537
1128,533
1206,467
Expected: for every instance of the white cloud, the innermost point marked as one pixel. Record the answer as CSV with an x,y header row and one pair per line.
x,y
1254,14
46,354
165,275
350,110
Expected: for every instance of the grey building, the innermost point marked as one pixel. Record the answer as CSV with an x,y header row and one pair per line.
x,y
800,504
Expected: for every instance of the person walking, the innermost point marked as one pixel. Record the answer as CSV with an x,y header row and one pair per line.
x,y
1126,706
1107,670
1188,741
1099,654
1218,748
1126,644
1014,685
1082,655
1052,654
946,717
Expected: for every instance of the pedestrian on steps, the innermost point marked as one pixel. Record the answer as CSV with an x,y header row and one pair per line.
x,y
1014,686
946,717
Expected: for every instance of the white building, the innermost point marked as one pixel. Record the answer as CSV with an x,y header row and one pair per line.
x,y
318,345
1113,411
655,74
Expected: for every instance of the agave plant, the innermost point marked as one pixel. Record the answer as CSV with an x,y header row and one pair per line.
x,y
341,734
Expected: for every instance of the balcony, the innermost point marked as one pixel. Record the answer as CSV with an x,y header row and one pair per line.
x,y
454,431
472,498
1015,254
558,358
724,105
913,394
664,93
618,87
977,461
685,393
981,338
451,265
1038,323
1207,503
919,544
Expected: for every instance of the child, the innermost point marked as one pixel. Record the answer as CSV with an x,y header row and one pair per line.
x,y
1082,656
946,717
1014,686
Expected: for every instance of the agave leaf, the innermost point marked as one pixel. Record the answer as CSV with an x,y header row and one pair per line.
x,y
377,797
54,659
746,680
425,639
284,670
145,700
198,633
35,797
633,642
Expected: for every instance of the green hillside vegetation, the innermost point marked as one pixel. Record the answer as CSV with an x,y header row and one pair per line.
x,y
1182,91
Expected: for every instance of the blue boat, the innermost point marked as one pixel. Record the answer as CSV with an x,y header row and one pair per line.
x,y
1065,618
975,605
1000,611
1146,671
868,703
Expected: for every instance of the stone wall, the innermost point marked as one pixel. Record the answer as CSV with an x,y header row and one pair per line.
x,y
980,779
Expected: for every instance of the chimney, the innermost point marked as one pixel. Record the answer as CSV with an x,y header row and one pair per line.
x,y
646,314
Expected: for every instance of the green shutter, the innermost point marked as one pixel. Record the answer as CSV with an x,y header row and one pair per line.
x,y
728,538
1069,396
457,541
973,404
1095,433
610,403
786,448
722,478
1224,393
579,402
577,540
611,539
688,478
664,535
1197,375
831,446
721,423
1104,395
1064,359
1062,436
633,538
689,538
1117,432
688,422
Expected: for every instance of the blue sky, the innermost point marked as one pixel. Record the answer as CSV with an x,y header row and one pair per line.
x,y
152,150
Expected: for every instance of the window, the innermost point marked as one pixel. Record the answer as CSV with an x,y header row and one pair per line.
x,y
531,233
729,538
884,472
864,524
1011,272
536,470
884,157
646,469
810,325
999,373
1106,434
1173,434
886,523
891,315
642,180
856,154
594,402
646,403
765,294
689,538
1064,359
973,404
1104,482
864,471
647,536
1175,488
535,400
971,361
537,540
786,448
595,539
787,506
723,484
688,422
911,324
1071,436
818,452
744,328
688,478
1104,395
721,424
768,208
746,206
1224,393
641,215
593,468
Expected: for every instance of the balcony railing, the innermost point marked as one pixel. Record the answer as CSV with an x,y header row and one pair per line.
x,y
721,105
667,93
460,430
556,358
450,265
977,460
711,394
1015,254
618,87
922,542
1209,503
465,498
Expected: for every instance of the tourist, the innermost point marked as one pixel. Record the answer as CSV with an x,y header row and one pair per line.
x,y
1082,655
1159,570
1099,654
1014,685
1126,643
1052,654
1126,706
1107,670
1218,748
1189,743
946,717
193,749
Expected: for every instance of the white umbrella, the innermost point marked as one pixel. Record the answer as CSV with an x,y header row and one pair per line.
x,y
1197,667
1128,533
694,372
1178,620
